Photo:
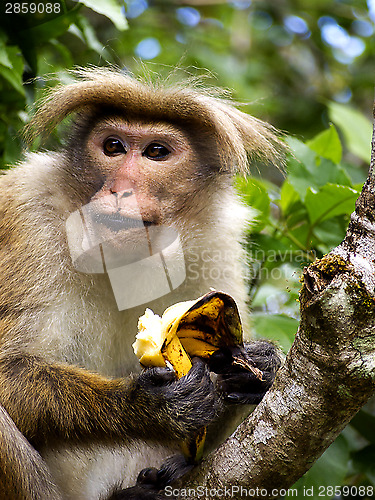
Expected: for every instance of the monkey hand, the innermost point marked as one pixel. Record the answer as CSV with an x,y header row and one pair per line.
x,y
148,487
177,408
238,384
152,481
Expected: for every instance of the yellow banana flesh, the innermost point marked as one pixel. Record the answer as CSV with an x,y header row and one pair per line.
x,y
154,345
149,340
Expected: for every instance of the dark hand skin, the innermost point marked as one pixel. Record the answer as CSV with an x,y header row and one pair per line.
x,y
192,397
152,481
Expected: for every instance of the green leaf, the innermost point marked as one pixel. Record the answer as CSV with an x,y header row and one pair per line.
x,y
364,462
12,147
288,197
329,471
364,423
330,233
4,59
110,9
13,74
327,144
64,52
255,194
329,172
314,173
277,327
262,245
357,174
85,29
308,170
303,153
329,201
300,178
357,129
49,30
293,230
302,168
267,243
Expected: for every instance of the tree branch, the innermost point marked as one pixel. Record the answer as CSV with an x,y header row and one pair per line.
x,y
328,375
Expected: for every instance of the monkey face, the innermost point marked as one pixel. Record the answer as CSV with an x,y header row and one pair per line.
x,y
146,172
144,168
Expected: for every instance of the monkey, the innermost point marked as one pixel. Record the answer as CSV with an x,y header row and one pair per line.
x,y
137,208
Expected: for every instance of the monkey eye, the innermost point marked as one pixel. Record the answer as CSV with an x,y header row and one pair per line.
x,y
113,146
155,151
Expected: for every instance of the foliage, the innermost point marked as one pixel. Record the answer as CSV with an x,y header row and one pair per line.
x,y
300,219
32,44
286,58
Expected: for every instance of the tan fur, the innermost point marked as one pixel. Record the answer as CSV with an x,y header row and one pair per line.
x,y
59,325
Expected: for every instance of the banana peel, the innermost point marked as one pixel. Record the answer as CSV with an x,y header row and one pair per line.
x,y
187,329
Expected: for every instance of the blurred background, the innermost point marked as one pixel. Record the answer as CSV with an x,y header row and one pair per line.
x,y
305,66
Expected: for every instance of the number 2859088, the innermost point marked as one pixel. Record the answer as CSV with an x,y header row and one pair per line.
x,y
32,8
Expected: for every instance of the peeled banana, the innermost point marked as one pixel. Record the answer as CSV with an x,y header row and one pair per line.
x,y
187,329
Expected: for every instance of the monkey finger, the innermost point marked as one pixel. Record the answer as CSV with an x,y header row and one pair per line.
x,y
242,382
198,371
221,360
172,469
264,355
196,361
241,388
244,398
156,377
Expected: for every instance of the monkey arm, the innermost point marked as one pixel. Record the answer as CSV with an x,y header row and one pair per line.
x,y
51,402
20,460
240,388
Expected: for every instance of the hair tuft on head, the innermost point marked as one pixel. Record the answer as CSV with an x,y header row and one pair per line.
x,y
238,134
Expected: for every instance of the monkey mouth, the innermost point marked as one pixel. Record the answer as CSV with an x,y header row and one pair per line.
x,y
117,222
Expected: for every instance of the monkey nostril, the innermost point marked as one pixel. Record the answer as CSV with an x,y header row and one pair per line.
x,y
126,194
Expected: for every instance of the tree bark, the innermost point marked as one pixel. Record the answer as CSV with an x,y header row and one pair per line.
x,y
328,375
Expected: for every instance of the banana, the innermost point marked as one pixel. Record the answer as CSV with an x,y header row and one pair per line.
x,y
149,340
156,343
187,329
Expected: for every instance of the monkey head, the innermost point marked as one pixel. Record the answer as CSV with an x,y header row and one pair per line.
x,y
152,165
